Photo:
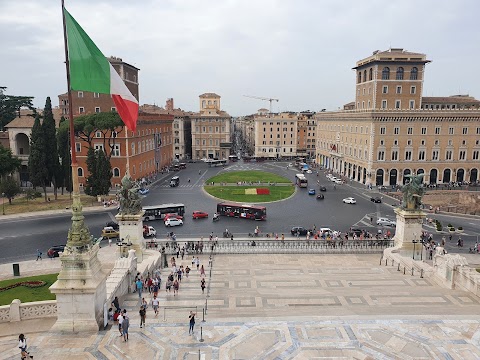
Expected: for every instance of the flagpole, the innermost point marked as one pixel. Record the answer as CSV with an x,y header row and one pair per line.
x,y
78,236
127,169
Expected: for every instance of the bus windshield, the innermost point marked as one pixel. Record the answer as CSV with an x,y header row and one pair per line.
x,y
253,212
157,212
301,180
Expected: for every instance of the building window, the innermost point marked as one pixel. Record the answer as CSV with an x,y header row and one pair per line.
x,y
396,130
359,77
448,155
435,155
414,74
116,172
133,149
408,155
437,131
97,109
398,90
399,75
384,104
462,155
386,73
465,131
410,131
422,142
98,147
411,104
394,155
450,131
398,104
381,155
409,142
80,94
424,131
385,89
116,150
437,142
475,155
421,155
383,131
395,142
413,89
81,110
78,147
96,95
113,109
370,75
80,172
478,130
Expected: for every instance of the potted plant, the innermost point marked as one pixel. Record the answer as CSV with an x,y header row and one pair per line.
x,y
438,226
452,229
460,229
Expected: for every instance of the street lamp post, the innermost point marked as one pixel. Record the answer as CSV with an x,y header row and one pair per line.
x,y
3,203
414,243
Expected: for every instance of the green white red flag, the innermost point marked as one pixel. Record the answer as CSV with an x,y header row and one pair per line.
x,y
91,71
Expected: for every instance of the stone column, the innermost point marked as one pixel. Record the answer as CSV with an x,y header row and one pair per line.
x,y
80,290
409,227
131,229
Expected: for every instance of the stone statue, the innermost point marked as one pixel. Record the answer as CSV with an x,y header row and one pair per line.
x,y
130,202
413,192
78,238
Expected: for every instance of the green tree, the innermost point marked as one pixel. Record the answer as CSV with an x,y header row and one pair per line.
x,y
10,188
100,173
65,170
37,160
50,135
10,106
8,162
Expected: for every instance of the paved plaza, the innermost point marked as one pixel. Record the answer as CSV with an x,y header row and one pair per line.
x,y
286,307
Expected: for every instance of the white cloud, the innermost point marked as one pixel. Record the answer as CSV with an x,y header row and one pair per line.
x,y
300,51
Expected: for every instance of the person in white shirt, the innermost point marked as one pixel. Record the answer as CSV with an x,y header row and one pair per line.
x,y
155,304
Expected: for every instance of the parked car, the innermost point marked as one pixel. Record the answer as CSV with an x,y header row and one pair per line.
x,y
311,192
376,199
349,200
55,251
338,181
386,222
320,197
323,188
308,171
171,215
199,214
149,231
143,191
112,224
173,222
300,230
109,232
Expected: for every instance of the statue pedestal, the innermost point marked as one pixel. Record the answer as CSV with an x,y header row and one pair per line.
x,y
81,292
409,227
131,230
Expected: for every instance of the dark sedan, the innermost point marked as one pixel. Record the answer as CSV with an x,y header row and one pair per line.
x,y
323,188
300,230
376,199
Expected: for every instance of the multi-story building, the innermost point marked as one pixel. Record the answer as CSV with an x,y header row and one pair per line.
x,y
85,102
210,129
306,138
381,146
450,102
276,135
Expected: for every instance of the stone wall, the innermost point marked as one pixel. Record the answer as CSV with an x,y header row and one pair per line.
x,y
17,311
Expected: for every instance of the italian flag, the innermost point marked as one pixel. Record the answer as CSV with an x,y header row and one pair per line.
x,y
91,71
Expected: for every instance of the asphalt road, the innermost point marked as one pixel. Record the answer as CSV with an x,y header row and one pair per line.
x,y
21,237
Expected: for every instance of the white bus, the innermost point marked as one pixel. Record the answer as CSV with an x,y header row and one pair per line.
x,y
301,180
157,212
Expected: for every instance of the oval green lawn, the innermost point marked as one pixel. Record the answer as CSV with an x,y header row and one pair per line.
x,y
233,177
283,189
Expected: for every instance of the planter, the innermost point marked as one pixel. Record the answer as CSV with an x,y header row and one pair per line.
x,y
460,231
452,230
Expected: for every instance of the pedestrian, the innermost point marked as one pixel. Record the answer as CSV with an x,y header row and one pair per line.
x,y
176,285
144,303
125,326
187,271
22,344
39,254
120,322
193,260
192,322
155,304
142,314
139,285
115,303
197,261
209,261
202,285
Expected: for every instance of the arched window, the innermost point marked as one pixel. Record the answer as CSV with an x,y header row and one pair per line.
x,y
364,75
386,73
414,73
80,172
116,172
370,75
359,77
203,103
399,73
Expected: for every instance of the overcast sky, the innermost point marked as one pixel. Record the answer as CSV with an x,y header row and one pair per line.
x,y
299,51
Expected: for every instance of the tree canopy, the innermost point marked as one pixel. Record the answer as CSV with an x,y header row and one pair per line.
x,y
98,181
50,137
8,162
37,159
10,106
10,188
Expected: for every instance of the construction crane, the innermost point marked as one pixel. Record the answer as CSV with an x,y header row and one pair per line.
x,y
263,98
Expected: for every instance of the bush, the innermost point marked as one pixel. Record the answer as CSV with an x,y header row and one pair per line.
x,y
31,194
452,229
439,226
449,225
460,228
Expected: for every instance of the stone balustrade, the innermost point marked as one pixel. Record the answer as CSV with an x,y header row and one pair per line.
x,y
17,311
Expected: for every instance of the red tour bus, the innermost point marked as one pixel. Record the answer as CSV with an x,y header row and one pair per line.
x,y
253,212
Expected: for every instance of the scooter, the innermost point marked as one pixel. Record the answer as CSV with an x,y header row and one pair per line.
x,y
214,219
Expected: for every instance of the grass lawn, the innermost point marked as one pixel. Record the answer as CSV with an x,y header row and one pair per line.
x,y
237,193
249,176
26,294
21,205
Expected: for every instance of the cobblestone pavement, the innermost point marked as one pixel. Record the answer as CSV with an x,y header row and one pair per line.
x,y
286,307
